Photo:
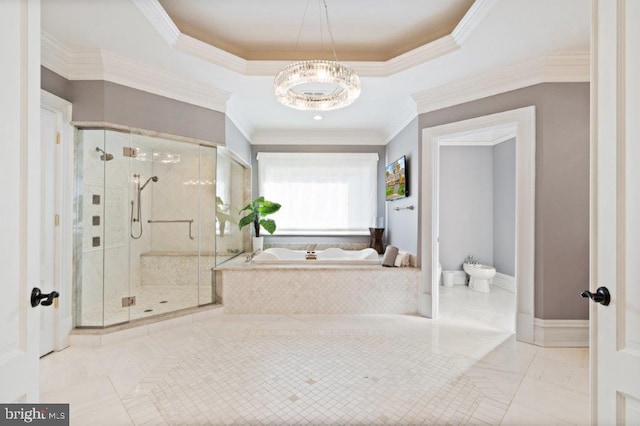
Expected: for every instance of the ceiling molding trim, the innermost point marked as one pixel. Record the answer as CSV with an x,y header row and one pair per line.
x,y
348,137
402,118
206,52
568,67
54,55
129,73
95,64
160,19
470,21
419,55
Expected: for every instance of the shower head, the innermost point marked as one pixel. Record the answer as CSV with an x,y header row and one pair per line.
x,y
105,156
152,178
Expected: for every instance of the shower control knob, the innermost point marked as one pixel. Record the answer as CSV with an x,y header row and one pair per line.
x,y
601,295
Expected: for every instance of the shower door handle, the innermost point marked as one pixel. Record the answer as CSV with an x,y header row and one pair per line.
x,y
39,298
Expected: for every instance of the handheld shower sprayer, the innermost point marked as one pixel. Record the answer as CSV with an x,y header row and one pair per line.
x,y
152,178
137,218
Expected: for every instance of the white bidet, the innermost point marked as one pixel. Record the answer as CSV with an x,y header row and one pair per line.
x,y
480,276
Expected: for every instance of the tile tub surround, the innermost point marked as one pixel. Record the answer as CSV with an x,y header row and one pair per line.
x,y
314,289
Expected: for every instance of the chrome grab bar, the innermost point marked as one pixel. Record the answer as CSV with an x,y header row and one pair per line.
x,y
189,221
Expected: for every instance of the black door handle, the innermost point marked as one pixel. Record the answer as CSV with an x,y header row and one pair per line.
x,y
601,295
37,297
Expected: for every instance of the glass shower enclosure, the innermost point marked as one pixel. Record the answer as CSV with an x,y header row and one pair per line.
x,y
153,219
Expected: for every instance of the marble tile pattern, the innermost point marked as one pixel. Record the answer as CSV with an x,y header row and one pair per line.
x,y
150,301
316,290
319,370
179,269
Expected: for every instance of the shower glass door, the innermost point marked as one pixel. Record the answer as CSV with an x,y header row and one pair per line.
x,y
206,187
147,226
164,239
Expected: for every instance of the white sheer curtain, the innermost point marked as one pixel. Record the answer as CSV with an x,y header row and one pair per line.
x,y
320,192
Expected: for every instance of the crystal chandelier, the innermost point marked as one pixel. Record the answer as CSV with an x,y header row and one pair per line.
x,y
301,85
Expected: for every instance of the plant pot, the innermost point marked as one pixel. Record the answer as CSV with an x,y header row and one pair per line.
x,y
258,243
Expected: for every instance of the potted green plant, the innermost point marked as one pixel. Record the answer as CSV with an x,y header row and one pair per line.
x,y
258,209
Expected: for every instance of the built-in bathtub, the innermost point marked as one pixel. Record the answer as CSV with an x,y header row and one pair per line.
x,y
312,287
334,255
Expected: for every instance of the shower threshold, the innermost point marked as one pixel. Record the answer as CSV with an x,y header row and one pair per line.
x,y
92,336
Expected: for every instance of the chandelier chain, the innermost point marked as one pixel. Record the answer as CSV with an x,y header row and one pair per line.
x,y
304,16
305,85
333,46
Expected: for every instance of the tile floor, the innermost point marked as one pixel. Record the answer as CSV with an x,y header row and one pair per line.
x,y
150,301
324,369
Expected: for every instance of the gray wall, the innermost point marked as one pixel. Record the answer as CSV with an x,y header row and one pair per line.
x,y
466,205
105,102
380,150
236,141
403,237
562,188
504,207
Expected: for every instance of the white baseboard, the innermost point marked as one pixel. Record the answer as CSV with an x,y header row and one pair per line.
x,y
561,333
506,282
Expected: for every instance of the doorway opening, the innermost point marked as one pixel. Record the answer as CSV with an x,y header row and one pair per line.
x,y
521,124
476,228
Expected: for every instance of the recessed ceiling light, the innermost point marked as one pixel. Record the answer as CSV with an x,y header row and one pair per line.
x,y
317,117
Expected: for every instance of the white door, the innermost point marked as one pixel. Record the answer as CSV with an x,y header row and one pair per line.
x,y
19,198
48,221
615,345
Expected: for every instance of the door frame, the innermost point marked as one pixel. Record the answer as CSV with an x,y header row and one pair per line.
x,y
523,119
63,277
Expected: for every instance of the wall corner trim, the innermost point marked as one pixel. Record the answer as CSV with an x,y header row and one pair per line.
x,y
561,333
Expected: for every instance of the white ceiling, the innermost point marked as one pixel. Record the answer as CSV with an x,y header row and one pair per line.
x,y
507,32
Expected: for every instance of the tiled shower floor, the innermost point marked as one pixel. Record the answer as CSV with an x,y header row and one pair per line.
x,y
150,301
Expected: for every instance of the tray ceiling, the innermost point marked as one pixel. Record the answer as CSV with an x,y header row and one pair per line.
x,y
363,30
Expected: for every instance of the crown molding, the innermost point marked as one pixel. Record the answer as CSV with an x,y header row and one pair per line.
x,y
419,55
198,49
54,55
96,64
402,118
470,21
161,21
347,137
567,67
